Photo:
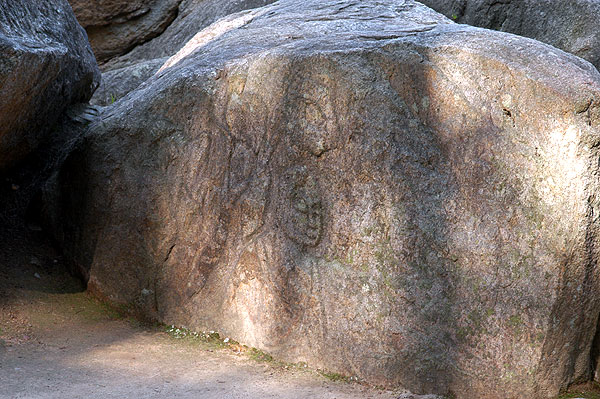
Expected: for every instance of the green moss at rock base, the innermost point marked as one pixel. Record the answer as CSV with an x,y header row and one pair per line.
x,y
581,395
334,376
213,341
259,356
590,390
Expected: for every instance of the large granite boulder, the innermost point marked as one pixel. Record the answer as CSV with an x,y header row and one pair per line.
x,y
568,25
45,64
361,185
116,26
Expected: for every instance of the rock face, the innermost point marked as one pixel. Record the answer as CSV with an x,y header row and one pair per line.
x,y
125,73
116,26
361,185
45,64
568,25
118,82
193,16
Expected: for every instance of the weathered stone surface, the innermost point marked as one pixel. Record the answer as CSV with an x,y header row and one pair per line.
x,y
568,25
361,185
125,73
116,26
45,64
193,16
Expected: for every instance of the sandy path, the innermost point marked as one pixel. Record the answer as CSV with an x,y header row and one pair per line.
x,y
58,342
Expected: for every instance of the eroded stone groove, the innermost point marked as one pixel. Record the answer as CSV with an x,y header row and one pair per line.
x,y
595,355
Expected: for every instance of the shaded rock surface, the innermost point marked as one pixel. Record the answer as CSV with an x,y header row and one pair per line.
x,y
568,25
117,83
46,64
116,26
361,185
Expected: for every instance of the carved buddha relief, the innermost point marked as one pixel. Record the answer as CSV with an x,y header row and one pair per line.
x,y
304,213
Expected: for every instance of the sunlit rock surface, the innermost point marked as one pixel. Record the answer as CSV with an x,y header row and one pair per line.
x,y
361,185
568,25
193,16
125,73
45,64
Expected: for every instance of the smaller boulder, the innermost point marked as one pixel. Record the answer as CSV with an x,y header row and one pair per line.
x,y
46,64
571,26
116,26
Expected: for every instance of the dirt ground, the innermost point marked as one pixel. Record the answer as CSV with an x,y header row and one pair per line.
x,y
56,341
